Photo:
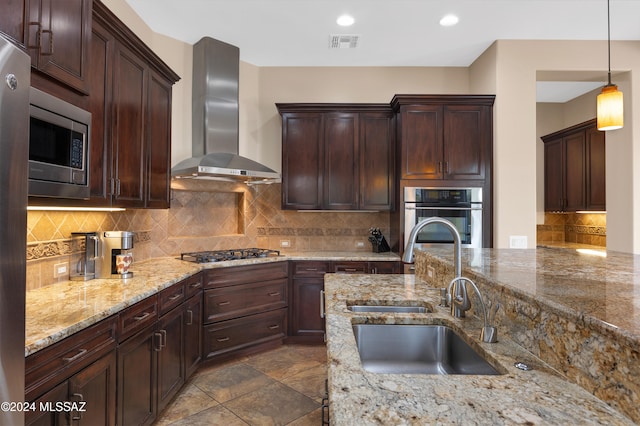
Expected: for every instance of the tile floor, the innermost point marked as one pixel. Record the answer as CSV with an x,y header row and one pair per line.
x,y
283,386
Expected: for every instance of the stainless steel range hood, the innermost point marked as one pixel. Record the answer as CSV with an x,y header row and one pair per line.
x,y
215,119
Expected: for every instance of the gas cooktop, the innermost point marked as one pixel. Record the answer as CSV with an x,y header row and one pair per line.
x,y
232,254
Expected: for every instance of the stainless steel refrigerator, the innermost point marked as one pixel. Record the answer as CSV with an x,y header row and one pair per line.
x,y
14,148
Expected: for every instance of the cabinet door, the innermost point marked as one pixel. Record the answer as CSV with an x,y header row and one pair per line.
x,y
13,20
341,161
49,417
574,178
170,356
377,159
193,334
129,127
596,181
96,387
464,142
422,133
58,38
137,378
302,159
100,83
159,143
553,179
306,319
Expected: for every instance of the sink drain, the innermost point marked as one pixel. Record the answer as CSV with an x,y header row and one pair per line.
x,y
522,366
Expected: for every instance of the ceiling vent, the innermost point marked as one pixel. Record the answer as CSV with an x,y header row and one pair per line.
x,y
343,41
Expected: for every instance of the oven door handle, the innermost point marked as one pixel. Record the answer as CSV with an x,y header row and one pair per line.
x,y
441,208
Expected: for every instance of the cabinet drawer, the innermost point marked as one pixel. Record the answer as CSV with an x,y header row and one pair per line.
x,y
222,277
48,367
193,284
171,297
308,268
246,299
239,333
350,267
137,317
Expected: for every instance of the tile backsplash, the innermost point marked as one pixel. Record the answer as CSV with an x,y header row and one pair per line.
x,y
581,228
203,216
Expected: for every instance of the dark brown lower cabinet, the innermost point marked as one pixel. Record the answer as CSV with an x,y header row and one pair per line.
x,y
74,381
193,334
137,378
171,375
306,314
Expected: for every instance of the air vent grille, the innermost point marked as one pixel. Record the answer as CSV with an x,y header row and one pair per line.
x,y
343,41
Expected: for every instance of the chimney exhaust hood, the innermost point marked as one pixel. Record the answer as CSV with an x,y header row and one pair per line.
x,y
216,67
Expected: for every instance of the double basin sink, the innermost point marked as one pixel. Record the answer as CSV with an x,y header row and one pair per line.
x,y
414,348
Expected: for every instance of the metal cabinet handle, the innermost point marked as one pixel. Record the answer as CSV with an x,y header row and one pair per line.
x,y
226,302
196,284
321,303
50,34
274,294
163,338
76,356
223,339
142,316
158,347
30,45
274,327
175,296
77,415
190,314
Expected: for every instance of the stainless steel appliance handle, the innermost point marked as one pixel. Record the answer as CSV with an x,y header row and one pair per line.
x,y
441,208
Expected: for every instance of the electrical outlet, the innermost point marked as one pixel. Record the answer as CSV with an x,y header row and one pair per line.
x,y
518,241
285,243
359,244
431,272
59,269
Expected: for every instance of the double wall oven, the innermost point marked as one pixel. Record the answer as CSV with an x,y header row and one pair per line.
x,y
461,206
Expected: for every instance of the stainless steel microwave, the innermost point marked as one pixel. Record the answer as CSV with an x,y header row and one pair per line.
x,y
58,148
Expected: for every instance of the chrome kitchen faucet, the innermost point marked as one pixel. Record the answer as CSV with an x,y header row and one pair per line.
x,y
460,290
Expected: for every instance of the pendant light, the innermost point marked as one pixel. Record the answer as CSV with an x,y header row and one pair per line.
x,y
610,106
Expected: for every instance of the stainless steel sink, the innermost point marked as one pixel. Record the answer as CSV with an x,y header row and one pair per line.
x,y
388,308
417,349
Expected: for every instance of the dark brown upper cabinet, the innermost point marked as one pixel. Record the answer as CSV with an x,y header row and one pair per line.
x,y
56,34
574,169
444,137
337,157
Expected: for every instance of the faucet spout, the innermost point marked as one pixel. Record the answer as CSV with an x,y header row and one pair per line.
x,y
408,256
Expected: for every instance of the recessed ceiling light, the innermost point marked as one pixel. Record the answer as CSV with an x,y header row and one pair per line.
x,y
345,20
449,20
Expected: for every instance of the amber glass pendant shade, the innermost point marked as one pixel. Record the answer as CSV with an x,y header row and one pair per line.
x,y
610,111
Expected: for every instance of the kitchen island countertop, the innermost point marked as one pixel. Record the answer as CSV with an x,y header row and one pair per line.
x,y
540,396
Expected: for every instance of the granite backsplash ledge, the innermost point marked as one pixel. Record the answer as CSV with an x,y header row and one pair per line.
x,y
554,304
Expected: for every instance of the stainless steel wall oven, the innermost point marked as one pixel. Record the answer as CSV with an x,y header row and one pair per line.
x,y
461,206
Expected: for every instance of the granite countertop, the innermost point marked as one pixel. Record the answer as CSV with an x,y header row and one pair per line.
x,y
59,310
540,396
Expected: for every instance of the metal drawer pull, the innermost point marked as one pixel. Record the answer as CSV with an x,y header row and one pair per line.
x,y
196,284
76,356
274,294
274,327
142,316
190,320
321,303
223,339
311,269
224,303
175,296
350,269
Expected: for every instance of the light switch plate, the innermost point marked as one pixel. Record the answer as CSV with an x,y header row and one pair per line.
x,y
518,241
